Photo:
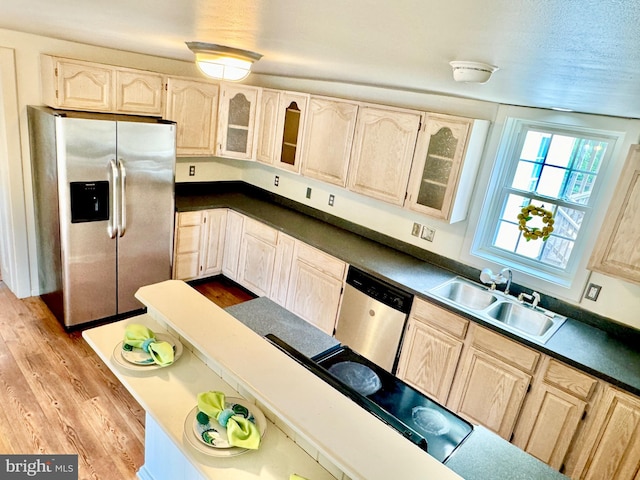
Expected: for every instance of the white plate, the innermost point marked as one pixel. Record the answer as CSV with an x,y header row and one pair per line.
x,y
192,430
132,360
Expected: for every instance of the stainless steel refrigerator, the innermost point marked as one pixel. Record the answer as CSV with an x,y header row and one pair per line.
x,y
103,190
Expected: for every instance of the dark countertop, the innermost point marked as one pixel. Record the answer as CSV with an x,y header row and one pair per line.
x,y
604,349
265,316
487,456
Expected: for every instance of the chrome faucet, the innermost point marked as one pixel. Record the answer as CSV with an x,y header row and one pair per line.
x,y
509,279
488,277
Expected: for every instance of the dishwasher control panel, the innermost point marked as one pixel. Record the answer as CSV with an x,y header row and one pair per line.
x,y
379,290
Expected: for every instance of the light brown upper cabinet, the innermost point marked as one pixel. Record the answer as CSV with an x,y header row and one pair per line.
x,y
267,124
616,252
282,117
328,138
445,165
193,105
237,121
383,147
80,85
138,93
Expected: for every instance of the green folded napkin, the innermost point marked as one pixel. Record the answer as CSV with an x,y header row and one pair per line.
x,y
139,336
241,432
293,476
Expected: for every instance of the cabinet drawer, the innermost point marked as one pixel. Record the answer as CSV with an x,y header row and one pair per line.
x,y
321,261
508,350
261,231
570,380
189,218
440,318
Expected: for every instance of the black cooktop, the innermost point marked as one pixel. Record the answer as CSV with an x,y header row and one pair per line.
x,y
422,421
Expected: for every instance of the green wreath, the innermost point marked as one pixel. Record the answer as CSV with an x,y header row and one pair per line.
x,y
534,233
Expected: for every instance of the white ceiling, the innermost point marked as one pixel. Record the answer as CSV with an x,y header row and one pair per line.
x,y
582,55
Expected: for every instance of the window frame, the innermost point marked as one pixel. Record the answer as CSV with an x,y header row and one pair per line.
x,y
502,174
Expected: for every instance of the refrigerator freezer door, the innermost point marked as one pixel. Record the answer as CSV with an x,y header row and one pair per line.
x,y
146,162
84,149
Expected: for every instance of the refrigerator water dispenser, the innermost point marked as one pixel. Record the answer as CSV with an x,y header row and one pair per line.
x,y
89,201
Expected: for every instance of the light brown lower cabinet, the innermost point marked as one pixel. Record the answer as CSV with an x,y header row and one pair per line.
x,y
232,243
577,424
493,378
315,286
198,244
553,412
610,447
257,257
431,349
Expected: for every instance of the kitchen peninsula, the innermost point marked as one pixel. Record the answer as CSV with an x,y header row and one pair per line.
x,y
224,354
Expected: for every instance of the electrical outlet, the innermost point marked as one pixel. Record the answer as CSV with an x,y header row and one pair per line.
x,y
427,233
308,192
332,199
415,231
192,170
592,292
276,181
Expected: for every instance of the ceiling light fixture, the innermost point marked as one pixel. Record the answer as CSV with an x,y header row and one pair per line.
x,y
223,63
472,72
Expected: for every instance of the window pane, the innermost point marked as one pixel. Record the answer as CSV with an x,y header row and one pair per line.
x,y
535,146
578,187
567,222
551,182
507,236
557,252
529,249
513,207
526,176
560,150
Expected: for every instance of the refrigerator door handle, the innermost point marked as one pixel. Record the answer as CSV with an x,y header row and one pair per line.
x,y
111,224
122,179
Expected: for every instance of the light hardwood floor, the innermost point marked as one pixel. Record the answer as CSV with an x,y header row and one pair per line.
x,y
57,396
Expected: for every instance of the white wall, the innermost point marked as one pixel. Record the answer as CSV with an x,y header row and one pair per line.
x,y
618,300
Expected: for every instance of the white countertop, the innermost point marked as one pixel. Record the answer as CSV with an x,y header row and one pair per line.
x,y
169,394
354,440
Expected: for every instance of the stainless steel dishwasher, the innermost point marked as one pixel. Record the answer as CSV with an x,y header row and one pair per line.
x,y
372,318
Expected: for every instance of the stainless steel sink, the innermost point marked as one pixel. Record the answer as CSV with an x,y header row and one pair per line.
x,y
501,310
462,292
526,319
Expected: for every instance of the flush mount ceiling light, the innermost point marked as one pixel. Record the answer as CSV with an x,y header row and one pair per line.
x,y
223,63
472,72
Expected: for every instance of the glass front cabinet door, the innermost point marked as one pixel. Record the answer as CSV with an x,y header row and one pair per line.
x,y
237,121
440,158
282,119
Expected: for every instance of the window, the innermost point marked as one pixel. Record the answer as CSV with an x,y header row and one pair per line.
x,y
548,166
